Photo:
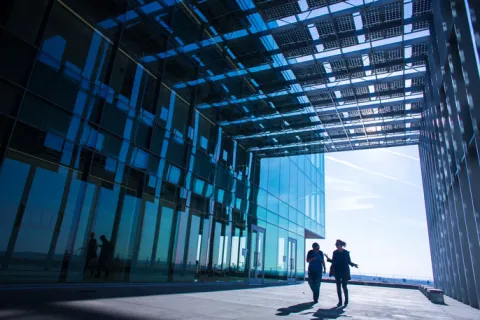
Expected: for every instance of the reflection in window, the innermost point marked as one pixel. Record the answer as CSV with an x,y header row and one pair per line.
x,y
262,198
173,174
203,259
180,238
193,242
105,211
282,266
13,176
204,143
220,195
271,260
40,214
68,217
16,62
127,228
82,233
164,234
199,184
147,235
263,174
217,252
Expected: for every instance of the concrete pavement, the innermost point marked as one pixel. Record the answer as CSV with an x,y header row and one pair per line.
x,y
289,302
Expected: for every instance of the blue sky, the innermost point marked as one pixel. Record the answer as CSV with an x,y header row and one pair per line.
x,y
374,202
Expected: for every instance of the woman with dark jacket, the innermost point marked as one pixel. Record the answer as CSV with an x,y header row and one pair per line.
x,y
340,269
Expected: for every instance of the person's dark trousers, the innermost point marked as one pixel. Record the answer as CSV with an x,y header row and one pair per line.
x,y
342,283
102,267
314,280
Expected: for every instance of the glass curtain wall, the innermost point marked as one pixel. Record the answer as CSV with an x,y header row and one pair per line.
x,y
109,174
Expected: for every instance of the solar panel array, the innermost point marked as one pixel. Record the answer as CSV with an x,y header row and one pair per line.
x,y
290,77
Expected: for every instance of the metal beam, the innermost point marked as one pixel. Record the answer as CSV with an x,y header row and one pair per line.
x,y
303,20
303,110
321,57
347,126
312,92
414,136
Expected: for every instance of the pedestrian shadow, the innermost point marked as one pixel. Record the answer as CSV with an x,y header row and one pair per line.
x,y
295,309
324,314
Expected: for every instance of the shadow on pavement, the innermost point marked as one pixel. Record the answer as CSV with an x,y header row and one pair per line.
x,y
332,313
297,308
70,312
39,297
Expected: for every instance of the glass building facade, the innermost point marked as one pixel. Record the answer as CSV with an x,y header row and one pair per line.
x,y
182,131
95,141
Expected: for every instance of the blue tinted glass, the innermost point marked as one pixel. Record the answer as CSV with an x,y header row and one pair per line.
x,y
274,176
273,203
284,179
127,228
105,213
261,213
264,174
163,246
147,235
262,198
40,213
193,242
272,218
68,216
199,184
12,182
283,209
293,185
301,192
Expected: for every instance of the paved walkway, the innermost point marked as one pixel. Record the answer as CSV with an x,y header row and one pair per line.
x,y
289,302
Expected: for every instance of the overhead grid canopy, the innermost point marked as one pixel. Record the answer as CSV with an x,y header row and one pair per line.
x,y
289,77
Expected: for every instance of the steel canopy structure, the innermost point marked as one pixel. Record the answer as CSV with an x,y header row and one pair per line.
x,y
297,77
175,114
300,77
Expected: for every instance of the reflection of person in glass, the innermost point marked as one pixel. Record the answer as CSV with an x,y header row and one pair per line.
x,y
316,265
91,253
105,258
341,263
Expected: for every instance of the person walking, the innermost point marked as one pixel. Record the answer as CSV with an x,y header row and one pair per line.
x,y
340,269
316,264
105,258
91,254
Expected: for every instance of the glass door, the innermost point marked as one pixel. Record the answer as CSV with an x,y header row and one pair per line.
x,y
292,261
257,255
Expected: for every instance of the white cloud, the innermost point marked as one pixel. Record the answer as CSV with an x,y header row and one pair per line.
x,y
334,184
351,165
352,203
400,154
